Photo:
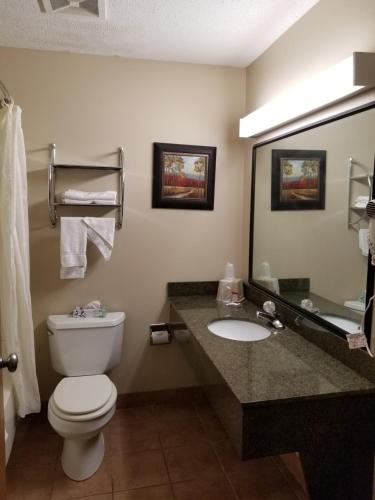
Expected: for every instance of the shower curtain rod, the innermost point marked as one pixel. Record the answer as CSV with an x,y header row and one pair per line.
x,y
5,92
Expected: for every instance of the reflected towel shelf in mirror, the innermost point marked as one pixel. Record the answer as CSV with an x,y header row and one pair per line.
x,y
363,178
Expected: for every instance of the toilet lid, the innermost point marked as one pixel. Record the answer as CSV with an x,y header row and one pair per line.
x,y
80,395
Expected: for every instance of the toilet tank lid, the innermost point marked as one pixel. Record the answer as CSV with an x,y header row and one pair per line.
x,y
67,322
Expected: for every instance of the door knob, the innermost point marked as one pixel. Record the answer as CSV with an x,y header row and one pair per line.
x,y
11,362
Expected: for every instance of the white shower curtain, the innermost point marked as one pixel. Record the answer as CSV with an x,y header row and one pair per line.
x,y
15,301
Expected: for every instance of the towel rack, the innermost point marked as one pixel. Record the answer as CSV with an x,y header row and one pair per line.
x,y
364,178
53,203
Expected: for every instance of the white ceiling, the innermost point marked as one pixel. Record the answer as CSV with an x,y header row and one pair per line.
x,y
223,32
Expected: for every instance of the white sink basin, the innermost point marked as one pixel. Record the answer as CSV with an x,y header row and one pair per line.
x,y
345,324
238,329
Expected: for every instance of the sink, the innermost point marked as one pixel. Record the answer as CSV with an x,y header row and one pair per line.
x,y
344,323
238,329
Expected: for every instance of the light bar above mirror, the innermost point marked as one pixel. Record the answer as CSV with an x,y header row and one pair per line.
x,y
348,77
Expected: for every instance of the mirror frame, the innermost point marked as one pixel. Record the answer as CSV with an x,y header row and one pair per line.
x,y
370,269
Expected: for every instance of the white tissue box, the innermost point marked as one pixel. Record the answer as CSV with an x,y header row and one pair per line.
x,y
79,312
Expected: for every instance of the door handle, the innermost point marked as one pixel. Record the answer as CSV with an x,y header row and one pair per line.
x,y
11,362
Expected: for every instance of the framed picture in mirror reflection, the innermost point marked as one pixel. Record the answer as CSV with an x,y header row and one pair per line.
x,y
298,179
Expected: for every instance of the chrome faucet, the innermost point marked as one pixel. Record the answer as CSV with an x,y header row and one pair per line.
x,y
269,314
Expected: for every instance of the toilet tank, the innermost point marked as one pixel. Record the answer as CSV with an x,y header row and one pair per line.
x,y
85,346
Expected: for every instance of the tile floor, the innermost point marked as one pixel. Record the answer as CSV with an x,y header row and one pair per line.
x,y
158,452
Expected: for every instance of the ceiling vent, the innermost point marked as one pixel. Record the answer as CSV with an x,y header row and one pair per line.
x,y
94,8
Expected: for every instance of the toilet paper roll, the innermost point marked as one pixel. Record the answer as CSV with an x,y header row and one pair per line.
x,y
159,337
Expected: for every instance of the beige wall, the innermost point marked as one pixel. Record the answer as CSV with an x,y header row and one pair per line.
x,y
89,106
325,35
317,244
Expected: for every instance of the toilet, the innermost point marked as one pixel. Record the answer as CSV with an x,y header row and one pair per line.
x,y
84,401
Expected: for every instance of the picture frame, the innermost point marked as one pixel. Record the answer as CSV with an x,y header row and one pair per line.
x,y
183,176
298,179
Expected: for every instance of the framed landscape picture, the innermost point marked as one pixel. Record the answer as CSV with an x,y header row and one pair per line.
x,y
298,179
184,176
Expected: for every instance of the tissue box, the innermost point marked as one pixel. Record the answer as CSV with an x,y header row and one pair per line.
x,y
80,312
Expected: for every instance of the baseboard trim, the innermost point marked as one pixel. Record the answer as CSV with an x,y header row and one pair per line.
x,y
183,395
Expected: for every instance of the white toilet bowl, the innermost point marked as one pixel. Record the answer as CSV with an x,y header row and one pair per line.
x,y
78,410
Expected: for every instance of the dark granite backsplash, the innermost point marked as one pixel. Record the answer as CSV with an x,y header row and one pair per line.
x,y
178,289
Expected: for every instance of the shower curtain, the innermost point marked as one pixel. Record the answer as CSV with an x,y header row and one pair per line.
x,y
15,302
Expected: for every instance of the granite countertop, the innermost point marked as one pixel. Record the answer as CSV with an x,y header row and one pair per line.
x,y
285,366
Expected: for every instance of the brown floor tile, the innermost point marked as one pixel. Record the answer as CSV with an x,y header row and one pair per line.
x,y
32,425
176,432
192,462
65,488
138,470
30,483
234,465
204,408
290,466
131,433
35,449
108,496
212,427
154,493
171,412
207,489
131,413
261,488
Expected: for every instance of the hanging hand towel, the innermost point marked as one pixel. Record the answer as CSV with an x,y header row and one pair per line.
x,y
101,231
363,240
370,210
73,242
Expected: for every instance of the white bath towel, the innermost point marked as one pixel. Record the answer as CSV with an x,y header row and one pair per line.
x,y
73,242
363,241
101,231
75,194
361,201
95,201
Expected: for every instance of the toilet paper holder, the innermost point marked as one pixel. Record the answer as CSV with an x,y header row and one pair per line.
x,y
161,333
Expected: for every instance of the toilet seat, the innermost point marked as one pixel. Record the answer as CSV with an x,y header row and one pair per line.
x,y
83,398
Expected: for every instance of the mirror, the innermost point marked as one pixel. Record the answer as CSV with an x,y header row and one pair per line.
x,y
308,236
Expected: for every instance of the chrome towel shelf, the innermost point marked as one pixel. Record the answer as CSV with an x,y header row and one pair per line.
x,y
53,203
358,214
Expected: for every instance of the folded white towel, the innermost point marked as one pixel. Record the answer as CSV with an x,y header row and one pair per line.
x,y
101,231
361,201
96,201
73,241
363,241
75,194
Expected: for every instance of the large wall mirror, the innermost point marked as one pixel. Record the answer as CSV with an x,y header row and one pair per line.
x,y
308,235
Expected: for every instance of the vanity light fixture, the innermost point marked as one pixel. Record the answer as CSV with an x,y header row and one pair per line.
x,y
346,78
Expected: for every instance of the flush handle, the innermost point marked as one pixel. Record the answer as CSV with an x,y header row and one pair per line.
x,y
11,362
